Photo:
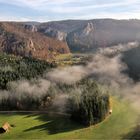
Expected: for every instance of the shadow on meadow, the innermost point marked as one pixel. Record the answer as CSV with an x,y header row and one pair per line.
x,y
133,135
54,124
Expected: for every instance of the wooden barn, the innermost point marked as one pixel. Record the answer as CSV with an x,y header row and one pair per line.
x,y
5,128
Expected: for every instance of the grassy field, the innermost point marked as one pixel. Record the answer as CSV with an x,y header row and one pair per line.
x,y
72,59
34,126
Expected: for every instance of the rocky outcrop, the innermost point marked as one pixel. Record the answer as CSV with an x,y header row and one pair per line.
x,y
88,29
56,34
82,39
32,28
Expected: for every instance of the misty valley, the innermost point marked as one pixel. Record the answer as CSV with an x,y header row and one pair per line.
x,y
67,80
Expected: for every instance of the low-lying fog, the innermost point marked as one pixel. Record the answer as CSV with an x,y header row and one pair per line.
x,y
106,67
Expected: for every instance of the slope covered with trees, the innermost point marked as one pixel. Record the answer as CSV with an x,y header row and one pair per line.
x,y
15,68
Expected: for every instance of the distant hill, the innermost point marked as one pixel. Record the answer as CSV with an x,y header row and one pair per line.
x,y
46,40
88,35
18,39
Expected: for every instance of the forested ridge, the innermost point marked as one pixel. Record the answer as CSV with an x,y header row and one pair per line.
x,y
15,68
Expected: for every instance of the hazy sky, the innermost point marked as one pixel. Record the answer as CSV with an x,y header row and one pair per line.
x,y
46,10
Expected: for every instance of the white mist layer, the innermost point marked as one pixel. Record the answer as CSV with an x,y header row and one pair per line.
x,y
25,88
106,68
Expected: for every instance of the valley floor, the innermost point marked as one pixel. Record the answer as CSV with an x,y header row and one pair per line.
x,y
44,126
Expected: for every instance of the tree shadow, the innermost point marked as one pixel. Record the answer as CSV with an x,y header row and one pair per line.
x,y
54,124
134,134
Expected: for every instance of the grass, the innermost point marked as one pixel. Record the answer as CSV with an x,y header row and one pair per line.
x,y
35,126
72,59
63,56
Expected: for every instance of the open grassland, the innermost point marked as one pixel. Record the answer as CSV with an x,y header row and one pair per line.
x,y
72,59
45,126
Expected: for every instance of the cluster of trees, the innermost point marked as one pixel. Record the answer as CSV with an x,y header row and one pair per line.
x,y
91,105
88,102
15,68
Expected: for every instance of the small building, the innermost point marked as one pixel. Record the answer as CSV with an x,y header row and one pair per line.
x,y
6,127
110,106
110,111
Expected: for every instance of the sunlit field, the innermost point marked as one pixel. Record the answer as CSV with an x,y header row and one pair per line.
x,y
47,126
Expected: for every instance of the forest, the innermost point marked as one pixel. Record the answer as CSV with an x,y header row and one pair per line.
x,y
85,101
14,68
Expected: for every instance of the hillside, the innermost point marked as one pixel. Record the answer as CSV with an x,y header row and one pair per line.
x,y
60,36
88,35
14,39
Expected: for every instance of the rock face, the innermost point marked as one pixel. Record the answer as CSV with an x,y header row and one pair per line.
x,y
82,39
15,39
88,29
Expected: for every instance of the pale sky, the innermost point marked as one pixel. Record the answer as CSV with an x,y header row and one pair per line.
x,y
48,10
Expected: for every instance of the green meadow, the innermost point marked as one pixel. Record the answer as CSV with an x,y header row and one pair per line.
x,y
49,126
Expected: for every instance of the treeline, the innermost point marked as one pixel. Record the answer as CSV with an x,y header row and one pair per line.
x,y
25,102
15,68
